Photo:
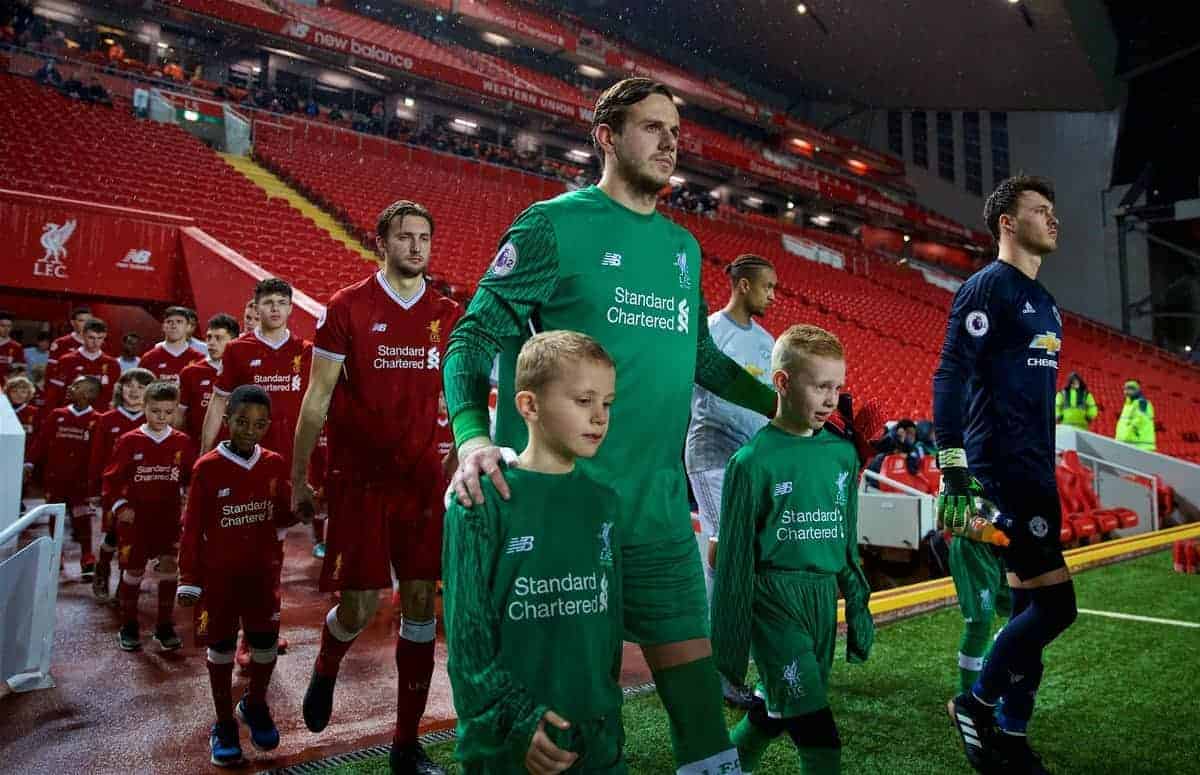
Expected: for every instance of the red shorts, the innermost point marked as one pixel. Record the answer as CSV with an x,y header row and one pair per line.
x,y
377,528
231,601
152,534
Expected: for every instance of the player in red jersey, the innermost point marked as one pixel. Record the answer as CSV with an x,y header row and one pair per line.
x,y
60,452
88,360
10,350
128,414
197,380
69,342
271,357
239,507
377,356
143,488
250,316
169,357
20,391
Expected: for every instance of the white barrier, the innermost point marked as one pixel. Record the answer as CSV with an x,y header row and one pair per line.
x,y
894,520
28,594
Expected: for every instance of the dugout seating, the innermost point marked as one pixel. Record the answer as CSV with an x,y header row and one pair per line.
x,y
105,155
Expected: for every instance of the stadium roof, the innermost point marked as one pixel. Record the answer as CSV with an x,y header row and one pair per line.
x,y
949,54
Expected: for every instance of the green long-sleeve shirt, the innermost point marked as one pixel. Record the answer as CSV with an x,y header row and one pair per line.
x,y
789,503
533,610
585,263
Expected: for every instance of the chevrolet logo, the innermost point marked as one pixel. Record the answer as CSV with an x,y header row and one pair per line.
x,y
1048,341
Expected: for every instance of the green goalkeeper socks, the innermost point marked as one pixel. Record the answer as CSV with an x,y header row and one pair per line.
x,y
691,693
751,741
973,649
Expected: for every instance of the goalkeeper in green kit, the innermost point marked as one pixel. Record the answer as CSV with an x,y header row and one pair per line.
x,y
788,545
533,592
604,262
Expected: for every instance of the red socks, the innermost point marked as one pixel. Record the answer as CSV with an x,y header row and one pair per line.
x,y
414,668
335,642
220,677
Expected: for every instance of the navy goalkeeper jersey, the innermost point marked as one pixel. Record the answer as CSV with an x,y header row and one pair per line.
x,y
993,392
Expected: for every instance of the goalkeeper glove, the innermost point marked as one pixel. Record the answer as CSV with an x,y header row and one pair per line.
x,y
956,498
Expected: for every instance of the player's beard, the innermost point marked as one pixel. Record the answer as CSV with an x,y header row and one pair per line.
x,y
1033,241
637,176
406,270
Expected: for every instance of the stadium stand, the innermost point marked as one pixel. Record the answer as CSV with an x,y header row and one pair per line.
x,y
105,155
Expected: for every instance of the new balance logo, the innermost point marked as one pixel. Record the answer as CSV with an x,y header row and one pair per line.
x,y
223,492
783,488
611,259
519,544
1028,310
138,456
256,362
379,327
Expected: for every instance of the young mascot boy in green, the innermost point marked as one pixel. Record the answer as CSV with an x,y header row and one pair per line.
x,y
788,545
532,583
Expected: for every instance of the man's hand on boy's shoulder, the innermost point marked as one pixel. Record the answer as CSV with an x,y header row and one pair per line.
x,y
477,458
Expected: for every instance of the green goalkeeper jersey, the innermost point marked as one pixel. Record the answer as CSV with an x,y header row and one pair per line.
x,y
583,262
532,610
789,504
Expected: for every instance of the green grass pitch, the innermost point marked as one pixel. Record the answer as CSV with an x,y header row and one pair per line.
x,y
1118,696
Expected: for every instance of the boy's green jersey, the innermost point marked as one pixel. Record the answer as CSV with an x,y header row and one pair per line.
x,y
583,262
532,609
789,503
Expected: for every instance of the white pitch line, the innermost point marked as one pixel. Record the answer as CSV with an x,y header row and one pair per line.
x,y
1135,618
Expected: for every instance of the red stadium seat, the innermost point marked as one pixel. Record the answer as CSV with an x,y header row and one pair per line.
x,y
895,468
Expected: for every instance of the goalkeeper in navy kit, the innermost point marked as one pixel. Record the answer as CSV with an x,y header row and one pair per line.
x,y
994,412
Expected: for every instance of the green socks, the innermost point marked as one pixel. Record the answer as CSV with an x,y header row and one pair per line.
x,y
973,649
691,694
751,741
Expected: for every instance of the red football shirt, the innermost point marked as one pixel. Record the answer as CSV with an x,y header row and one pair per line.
x,y
62,450
196,383
444,436
27,415
102,366
281,370
110,426
148,471
67,343
390,348
167,362
10,352
237,512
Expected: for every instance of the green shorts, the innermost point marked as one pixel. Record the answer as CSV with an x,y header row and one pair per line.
x,y
979,580
792,640
600,744
662,585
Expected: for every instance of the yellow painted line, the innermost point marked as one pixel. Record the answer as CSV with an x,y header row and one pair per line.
x,y
940,590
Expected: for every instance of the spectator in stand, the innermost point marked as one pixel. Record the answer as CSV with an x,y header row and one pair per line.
x,y
116,53
48,74
376,124
38,353
1136,424
901,439
131,349
173,71
335,114
926,438
95,92
1074,405
311,108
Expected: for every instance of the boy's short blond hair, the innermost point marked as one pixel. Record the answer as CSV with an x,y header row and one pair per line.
x,y
19,382
801,342
542,357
